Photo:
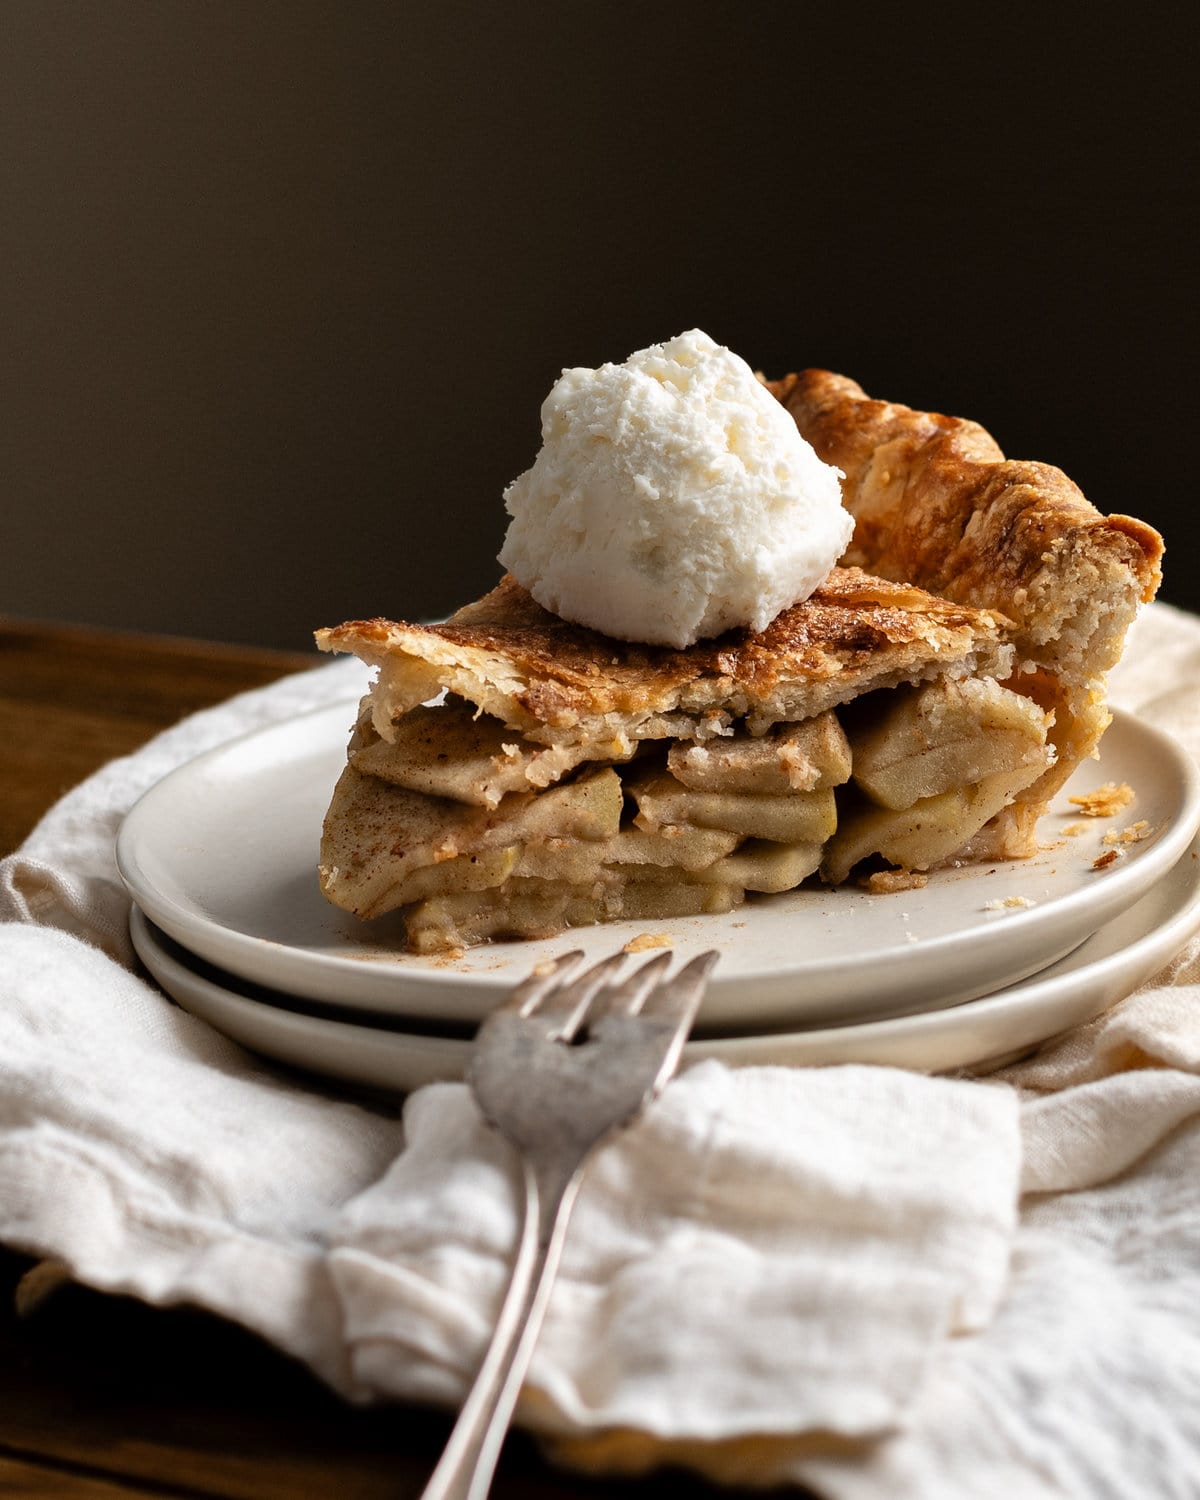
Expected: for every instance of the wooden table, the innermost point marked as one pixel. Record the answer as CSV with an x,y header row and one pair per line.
x,y
101,1396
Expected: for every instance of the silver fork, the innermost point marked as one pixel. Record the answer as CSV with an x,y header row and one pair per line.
x,y
556,1070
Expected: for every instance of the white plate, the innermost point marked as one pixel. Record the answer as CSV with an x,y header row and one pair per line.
x,y
222,855
1105,968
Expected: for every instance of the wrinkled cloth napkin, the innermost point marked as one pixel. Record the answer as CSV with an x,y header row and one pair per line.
x,y
867,1280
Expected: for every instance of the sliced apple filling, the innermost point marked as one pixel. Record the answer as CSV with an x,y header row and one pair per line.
x,y
539,908
931,769
478,833
788,818
452,750
805,757
945,734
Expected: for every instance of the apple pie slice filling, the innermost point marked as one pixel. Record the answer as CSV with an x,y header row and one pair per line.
x,y
478,833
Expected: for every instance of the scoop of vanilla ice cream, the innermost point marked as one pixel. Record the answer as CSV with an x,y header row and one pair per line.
x,y
672,499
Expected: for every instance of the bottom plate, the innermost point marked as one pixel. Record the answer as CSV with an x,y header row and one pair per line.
x,y
400,1057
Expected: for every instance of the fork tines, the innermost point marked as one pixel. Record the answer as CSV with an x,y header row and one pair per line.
x,y
564,1002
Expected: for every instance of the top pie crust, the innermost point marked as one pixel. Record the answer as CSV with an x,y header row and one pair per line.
x,y
937,504
561,683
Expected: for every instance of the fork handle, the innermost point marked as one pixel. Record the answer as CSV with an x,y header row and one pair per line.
x,y
468,1462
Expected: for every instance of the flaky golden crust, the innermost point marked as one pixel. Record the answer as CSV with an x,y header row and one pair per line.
x,y
936,503
537,672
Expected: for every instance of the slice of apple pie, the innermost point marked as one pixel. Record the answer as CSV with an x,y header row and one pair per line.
x,y
916,714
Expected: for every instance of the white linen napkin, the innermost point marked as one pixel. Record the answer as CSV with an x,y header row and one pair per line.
x,y
874,1282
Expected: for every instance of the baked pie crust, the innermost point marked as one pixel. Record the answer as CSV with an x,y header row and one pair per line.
x,y
936,503
920,707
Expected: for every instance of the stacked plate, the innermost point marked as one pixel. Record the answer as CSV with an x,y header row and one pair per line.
x,y
979,965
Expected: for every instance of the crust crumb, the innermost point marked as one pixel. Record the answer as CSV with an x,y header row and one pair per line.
x,y
645,940
881,882
1134,834
1102,861
1106,801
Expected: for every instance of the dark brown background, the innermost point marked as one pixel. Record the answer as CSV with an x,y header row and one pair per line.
x,y
283,285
